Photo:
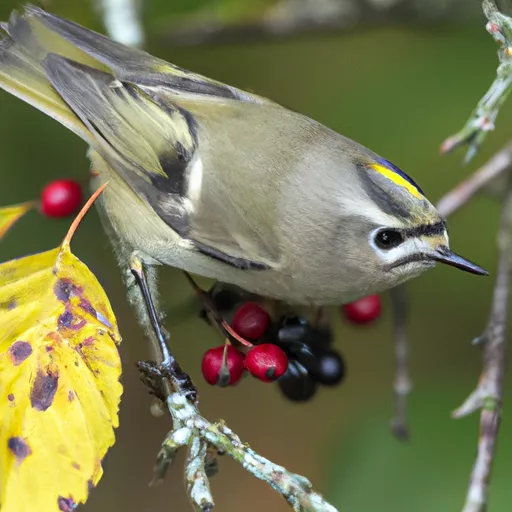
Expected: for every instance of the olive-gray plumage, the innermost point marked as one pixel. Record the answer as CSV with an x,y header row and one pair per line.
x,y
223,183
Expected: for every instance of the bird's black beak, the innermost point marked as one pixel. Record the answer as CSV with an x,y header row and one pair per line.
x,y
444,255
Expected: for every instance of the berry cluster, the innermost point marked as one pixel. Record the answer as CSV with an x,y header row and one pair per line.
x,y
313,361
289,350
225,365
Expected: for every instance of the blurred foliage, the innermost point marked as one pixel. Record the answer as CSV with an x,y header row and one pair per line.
x,y
429,473
399,90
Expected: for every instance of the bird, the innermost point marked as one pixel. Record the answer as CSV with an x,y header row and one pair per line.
x,y
220,182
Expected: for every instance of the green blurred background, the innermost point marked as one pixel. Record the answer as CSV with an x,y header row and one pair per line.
x,y
399,90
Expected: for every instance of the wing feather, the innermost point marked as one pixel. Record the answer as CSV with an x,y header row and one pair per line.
x,y
137,66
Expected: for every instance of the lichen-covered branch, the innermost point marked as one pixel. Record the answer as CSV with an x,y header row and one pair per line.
x,y
489,392
191,429
196,477
484,116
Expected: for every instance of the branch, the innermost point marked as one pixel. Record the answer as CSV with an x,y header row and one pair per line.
x,y
198,485
462,193
489,392
191,429
285,18
402,385
483,117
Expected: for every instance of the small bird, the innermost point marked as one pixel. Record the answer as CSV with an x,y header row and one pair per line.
x,y
222,183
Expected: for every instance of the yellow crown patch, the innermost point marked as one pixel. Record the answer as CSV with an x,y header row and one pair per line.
x,y
398,177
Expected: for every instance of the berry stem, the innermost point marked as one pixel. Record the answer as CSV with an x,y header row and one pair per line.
x,y
221,324
233,335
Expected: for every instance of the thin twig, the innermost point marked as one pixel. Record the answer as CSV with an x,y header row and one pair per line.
x,y
500,163
483,117
489,392
402,385
462,193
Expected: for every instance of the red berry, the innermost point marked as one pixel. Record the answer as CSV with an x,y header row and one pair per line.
x,y
266,362
61,198
364,310
212,366
250,321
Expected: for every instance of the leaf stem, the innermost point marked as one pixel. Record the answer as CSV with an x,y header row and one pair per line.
x,y
81,215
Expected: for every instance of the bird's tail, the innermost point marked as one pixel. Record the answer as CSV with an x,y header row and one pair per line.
x,y
22,50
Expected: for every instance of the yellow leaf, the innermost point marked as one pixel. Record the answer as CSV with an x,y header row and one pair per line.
x,y
59,381
10,214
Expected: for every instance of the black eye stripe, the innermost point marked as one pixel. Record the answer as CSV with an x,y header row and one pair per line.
x,y
425,230
387,239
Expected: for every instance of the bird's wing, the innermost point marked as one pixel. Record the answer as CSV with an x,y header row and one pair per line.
x,y
126,104
153,142
150,146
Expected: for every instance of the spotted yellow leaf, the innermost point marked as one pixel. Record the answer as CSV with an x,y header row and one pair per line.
x,y
10,214
59,381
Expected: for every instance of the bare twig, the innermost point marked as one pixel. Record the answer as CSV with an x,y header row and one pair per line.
x,y
497,165
402,385
483,117
500,163
462,193
489,392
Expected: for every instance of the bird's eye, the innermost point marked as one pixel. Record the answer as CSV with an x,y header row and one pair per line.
x,y
388,239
